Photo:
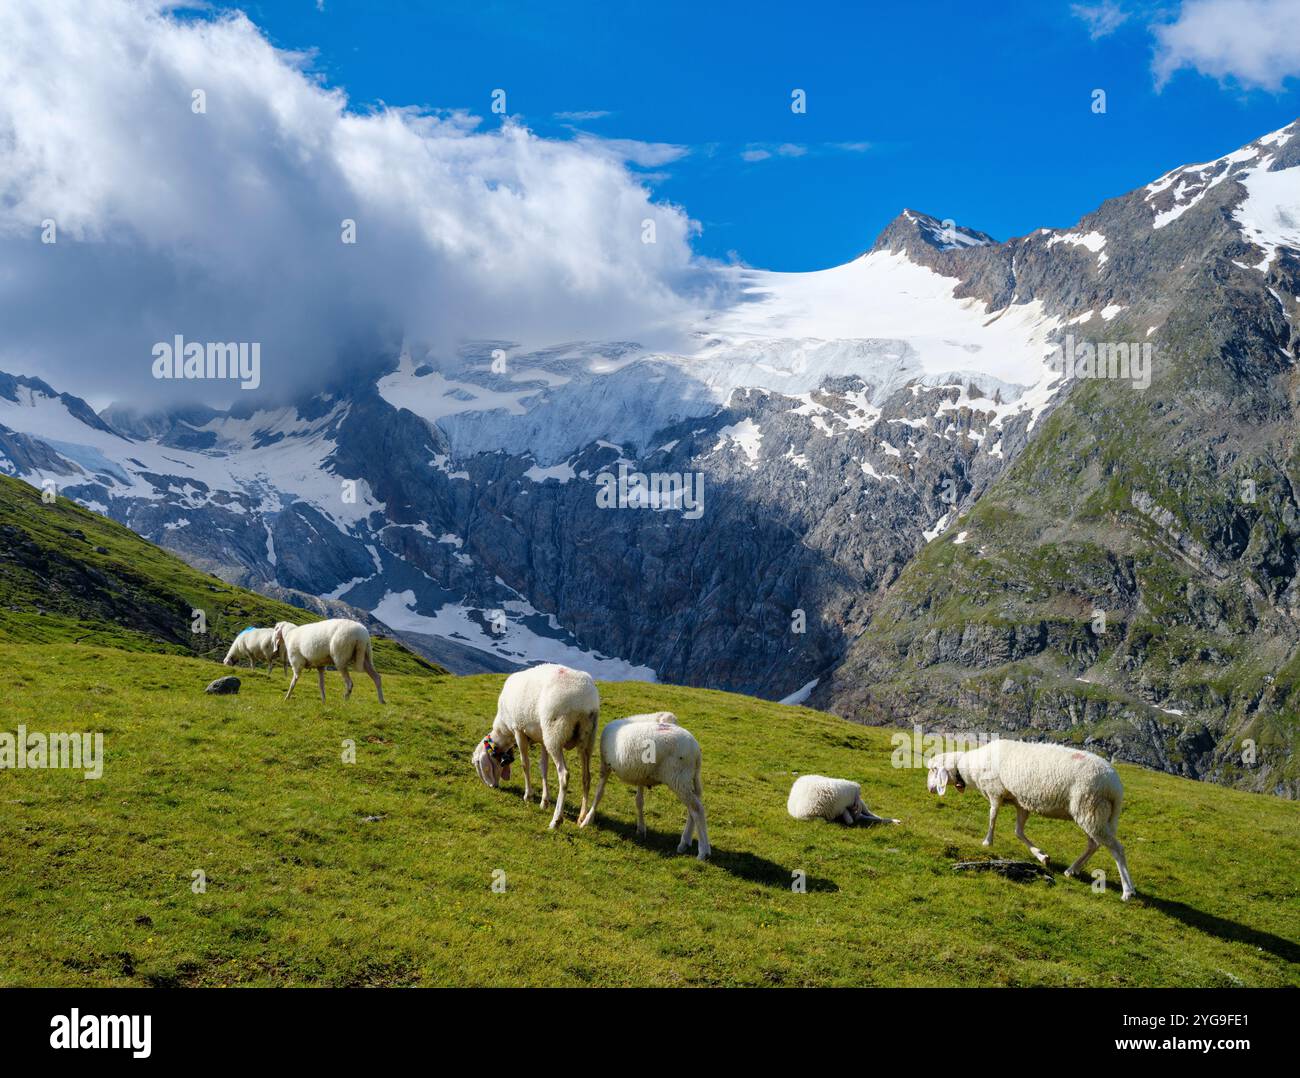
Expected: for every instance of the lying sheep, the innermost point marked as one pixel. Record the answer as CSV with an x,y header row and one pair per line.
x,y
1055,781
816,797
650,750
255,645
547,705
340,642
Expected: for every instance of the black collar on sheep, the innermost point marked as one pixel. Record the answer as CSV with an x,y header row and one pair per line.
x,y
957,779
504,757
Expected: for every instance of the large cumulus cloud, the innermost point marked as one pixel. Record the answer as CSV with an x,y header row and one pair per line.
x,y
226,225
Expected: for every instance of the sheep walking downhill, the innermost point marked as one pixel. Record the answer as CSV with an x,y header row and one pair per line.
x,y
1055,781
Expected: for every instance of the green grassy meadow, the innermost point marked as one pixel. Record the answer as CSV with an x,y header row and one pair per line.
x,y
380,872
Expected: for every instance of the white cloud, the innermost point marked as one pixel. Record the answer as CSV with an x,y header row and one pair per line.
x,y
1255,43
642,154
761,152
582,115
226,225
1102,19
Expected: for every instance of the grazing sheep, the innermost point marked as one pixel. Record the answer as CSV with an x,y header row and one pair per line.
x,y
1055,781
815,797
339,641
548,705
650,750
255,645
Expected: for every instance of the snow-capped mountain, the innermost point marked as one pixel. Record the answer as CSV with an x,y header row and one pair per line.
x,y
828,425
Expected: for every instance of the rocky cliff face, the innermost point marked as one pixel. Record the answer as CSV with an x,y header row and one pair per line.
x,y
875,478
1130,581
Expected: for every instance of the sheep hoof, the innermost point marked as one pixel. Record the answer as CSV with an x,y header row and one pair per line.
x,y
703,855
682,847
986,842
1127,895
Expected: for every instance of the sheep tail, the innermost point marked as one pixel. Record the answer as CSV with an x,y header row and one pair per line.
x,y
1116,803
699,782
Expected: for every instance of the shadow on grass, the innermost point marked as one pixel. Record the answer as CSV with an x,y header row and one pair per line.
x,y
740,863
1232,931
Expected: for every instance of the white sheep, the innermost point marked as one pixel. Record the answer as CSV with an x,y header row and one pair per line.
x,y
816,797
285,625
1056,781
255,645
547,705
652,750
340,642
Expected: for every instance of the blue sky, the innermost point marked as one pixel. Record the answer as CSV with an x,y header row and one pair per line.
x,y
937,106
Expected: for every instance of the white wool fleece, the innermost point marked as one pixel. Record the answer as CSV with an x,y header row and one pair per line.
x,y
548,705
1056,781
814,797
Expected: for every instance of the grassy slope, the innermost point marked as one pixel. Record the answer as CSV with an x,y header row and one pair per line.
x,y
95,887
56,585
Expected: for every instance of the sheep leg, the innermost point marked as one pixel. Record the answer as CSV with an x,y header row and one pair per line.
x,y
600,792
546,767
993,819
585,749
347,682
685,843
640,811
369,665
562,773
862,814
847,816
1082,859
521,743
702,842
292,683
320,677
1022,814
1117,852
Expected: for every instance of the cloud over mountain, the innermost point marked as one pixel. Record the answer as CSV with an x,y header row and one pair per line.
x,y
227,223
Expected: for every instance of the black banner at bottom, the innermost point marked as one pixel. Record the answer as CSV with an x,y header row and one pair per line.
x,y
1220,1028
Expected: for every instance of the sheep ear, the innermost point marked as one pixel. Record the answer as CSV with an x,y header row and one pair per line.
x,y
505,772
941,781
482,765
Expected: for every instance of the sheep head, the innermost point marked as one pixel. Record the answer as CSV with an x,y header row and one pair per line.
x,y
492,761
943,768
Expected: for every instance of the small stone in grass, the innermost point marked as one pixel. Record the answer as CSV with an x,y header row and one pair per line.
x,y
223,686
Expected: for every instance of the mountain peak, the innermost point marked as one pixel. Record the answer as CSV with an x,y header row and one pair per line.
x,y
911,227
